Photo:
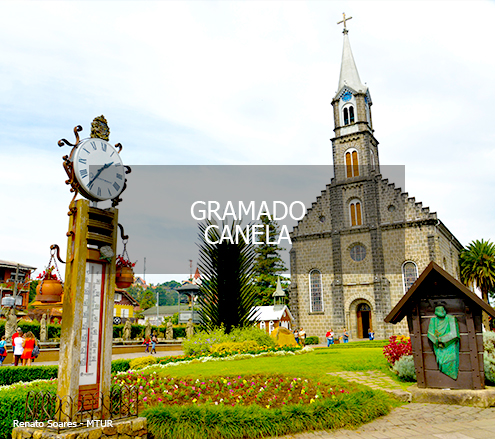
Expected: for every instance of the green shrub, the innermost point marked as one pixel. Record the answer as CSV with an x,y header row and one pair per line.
x,y
121,365
253,333
53,330
489,356
252,421
13,401
230,347
139,363
179,332
117,331
312,340
404,368
201,343
11,375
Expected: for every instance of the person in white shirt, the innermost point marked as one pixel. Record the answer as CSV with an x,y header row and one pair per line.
x,y
18,349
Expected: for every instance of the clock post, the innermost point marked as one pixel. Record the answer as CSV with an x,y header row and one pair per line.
x,y
84,378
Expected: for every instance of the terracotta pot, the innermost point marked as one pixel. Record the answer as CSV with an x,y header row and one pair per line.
x,y
49,291
124,277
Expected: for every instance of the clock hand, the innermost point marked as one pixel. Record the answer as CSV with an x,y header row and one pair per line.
x,y
106,181
90,184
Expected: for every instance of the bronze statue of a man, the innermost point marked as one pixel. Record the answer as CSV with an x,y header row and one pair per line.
x,y
443,332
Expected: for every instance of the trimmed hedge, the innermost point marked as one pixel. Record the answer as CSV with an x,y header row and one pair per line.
x,y
12,375
312,340
120,365
137,331
210,421
53,330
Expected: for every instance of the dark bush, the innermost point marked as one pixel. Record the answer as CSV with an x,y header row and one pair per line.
x,y
11,375
117,331
312,340
120,365
179,332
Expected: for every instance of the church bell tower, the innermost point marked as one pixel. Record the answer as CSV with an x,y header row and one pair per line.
x,y
355,149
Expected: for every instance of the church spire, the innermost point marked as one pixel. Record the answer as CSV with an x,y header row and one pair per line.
x,y
348,71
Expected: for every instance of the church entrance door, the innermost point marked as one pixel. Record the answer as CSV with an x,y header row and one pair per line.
x,y
363,320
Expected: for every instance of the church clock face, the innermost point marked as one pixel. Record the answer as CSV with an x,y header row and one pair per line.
x,y
98,169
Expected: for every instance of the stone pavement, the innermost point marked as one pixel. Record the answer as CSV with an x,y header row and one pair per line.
x,y
413,420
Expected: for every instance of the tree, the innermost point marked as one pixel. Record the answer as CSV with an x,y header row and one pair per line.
x,y
148,300
477,263
226,295
268,264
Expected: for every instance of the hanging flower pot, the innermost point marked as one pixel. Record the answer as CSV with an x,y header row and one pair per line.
x,y
124,277
49,291
124,273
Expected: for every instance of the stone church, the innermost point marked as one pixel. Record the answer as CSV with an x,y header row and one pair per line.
x,y
363,242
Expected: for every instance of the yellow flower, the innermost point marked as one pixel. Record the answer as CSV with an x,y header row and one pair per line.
x,y
311,401
194,400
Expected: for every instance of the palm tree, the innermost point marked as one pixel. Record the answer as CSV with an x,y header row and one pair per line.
x,y
477,263
226,295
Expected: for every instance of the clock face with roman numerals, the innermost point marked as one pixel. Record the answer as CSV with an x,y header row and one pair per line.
x,y
98,170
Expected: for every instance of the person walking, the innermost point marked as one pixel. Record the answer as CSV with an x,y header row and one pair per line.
x,y
18,348
329,336
28,345
3,349
153,343
296,335
302,337
345,336
147,343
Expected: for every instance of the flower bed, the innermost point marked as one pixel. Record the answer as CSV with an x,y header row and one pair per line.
x,y
399,345
269,391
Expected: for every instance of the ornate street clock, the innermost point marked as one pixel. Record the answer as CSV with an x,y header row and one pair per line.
x,y
94,166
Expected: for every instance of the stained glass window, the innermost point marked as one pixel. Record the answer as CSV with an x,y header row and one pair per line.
x,y
358,252
315,291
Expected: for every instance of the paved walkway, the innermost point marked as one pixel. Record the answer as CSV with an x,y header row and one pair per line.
x,y
413,420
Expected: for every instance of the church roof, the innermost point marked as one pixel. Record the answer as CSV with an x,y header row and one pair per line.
x,y
264,313
349,75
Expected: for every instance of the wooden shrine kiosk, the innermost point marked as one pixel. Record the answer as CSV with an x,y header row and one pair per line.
x,y
437,297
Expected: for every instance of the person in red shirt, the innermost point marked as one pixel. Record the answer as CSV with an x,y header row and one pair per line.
x,y
28,344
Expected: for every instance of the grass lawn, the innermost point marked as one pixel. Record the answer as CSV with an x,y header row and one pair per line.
x,y
316,365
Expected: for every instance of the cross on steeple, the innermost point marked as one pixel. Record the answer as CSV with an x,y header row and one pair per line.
x,y
344,21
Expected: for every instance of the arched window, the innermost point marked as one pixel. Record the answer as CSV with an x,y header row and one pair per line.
x,y
351,114
315,291
346,116
352,163
355,213
409,274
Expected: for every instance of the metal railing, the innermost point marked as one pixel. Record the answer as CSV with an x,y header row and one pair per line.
x,y
120,403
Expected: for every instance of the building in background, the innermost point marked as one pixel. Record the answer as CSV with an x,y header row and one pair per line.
x,y
363,242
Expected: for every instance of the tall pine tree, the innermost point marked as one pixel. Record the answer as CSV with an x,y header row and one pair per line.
x,y
268,264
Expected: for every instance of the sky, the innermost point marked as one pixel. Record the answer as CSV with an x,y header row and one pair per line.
x,y
242,83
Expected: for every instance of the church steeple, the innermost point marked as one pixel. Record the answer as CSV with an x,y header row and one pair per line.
x,y
349,75
355,152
